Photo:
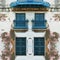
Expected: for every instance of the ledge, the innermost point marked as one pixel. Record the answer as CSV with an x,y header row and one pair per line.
x,y
20,30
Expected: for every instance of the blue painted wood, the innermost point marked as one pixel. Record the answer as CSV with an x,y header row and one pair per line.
x,y
30,2
20,16
39,46
39,16
39,22
38,0
22,0
20,24
20,46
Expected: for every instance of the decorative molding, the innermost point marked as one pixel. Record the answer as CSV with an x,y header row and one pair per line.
x,y
29,9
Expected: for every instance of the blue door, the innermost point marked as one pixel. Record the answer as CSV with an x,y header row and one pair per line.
x,y
20,46
39,46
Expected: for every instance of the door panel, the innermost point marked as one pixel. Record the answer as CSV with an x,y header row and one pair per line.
x,y
39,46
20,46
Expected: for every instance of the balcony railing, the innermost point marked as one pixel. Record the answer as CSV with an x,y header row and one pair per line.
x,y
20,24
39,24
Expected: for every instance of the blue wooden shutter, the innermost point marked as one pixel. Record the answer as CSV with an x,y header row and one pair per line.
x,y
39,16
39,46
20,46
20,16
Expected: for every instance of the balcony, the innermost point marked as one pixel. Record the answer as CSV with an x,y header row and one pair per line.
x,y
20,25
39,25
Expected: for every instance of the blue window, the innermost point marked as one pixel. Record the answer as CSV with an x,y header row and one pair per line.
x,y
20,22
39,46
20,16
20,46
39,22
39,16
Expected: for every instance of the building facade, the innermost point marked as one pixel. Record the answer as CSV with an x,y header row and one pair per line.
x,y
2,5
56,6
26,34
30,29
